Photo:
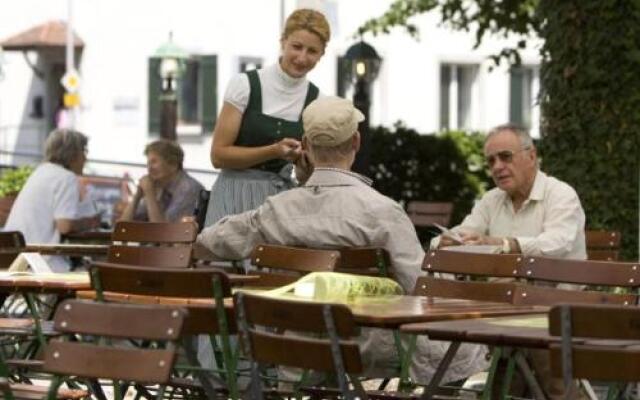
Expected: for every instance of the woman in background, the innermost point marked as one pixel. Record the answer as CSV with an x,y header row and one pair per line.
x,y
257,136
48,204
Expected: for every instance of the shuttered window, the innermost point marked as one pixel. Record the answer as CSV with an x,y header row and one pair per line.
x,y
196,92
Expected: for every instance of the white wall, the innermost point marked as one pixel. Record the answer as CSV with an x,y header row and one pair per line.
x,y
120,35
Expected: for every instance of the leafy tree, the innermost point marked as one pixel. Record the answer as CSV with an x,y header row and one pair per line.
x,y
591,90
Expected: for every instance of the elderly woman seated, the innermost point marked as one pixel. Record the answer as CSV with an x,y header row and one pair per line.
x,y
48,204
167,193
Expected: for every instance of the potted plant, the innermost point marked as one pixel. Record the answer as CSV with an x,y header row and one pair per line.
x,y
11,182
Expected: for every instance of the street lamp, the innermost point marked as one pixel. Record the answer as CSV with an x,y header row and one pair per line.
x,y
171,66
362,67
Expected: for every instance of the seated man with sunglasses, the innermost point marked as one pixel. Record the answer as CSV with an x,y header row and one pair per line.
x,y
528,212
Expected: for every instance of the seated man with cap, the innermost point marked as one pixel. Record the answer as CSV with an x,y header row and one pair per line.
x,y
337,208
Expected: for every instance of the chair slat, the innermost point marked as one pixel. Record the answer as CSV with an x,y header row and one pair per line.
x,y
499,292
159,257
426,213
125,321
600,322
549,296
603,239
172,282
494,265
306,353
364,260
598,362
156,232
11,239
93,361
294,258
586,272
297,315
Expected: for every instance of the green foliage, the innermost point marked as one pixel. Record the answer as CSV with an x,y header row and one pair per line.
x,y
446,167
505,19
591,98
591,108
12,180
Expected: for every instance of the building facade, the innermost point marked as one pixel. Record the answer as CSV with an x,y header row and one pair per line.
x,y
437,82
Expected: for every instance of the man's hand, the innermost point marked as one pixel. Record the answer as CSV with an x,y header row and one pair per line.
x,y
472,238
289,149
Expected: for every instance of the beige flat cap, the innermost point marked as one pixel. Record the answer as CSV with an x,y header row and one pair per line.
x,y
330,121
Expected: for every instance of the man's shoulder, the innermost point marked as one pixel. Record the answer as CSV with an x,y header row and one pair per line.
x,y
556,187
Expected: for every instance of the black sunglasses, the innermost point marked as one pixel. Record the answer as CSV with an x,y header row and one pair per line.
x,y
505,156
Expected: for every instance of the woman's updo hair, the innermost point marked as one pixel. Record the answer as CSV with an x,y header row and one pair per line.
x,y
310,20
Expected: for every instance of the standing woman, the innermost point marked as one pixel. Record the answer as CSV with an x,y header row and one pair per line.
x,y
257,137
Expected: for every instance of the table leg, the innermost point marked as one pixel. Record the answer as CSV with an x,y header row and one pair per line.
x,y
432,388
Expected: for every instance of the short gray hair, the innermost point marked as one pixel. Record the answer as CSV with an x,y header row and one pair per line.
x,y
63,146
332,154
525,139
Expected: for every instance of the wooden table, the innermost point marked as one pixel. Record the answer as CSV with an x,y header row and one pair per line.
x,y
64,249
393,311
55,283
513,331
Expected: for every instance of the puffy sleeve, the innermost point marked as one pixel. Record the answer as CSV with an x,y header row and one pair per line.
x,y
237,93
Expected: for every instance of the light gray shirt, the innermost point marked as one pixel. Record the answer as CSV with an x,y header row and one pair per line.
x,y
550,222
337,208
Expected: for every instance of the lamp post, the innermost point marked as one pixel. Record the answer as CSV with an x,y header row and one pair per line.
x,y
171,66
363,65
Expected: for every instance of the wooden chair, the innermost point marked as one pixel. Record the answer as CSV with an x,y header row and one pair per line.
x,y
323,334
603,245
188,287
606,359
200,213
280,265
153,244
102,359
428,213
11,244
525,274
373,261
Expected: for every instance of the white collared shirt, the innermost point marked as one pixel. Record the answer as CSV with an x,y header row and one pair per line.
x,y
551,221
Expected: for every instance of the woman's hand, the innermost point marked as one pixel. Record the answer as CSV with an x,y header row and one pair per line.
x,y
288,149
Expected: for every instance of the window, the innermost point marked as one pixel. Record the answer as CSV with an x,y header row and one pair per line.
x,y
523,90
458,96
196,91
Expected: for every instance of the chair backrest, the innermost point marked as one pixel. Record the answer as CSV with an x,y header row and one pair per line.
x,y
11,244
472,264
317,335
101,360
200,213
156,233
585,272
589,359
364,261
153,244
498,292
180,283
426,213
515,293
294,259
603,245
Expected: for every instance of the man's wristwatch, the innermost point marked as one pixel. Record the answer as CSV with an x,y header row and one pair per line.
x,y
506,246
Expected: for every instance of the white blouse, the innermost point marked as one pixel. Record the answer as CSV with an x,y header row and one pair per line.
x,y
282,96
